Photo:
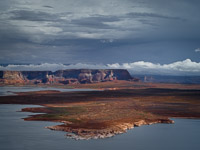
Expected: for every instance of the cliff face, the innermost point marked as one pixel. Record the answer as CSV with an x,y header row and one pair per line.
x,y
70,76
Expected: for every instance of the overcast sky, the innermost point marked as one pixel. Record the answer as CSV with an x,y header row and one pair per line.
x,y
99,31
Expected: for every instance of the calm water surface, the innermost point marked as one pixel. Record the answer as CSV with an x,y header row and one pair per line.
x,y
9,90
17,134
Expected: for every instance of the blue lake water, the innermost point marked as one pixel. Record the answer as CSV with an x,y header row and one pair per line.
x,y
17,134
9,90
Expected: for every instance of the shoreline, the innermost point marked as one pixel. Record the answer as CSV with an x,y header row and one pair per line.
x,y
83,134
102,114
34,132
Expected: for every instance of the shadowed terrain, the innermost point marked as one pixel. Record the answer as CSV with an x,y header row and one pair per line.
x,y
100,114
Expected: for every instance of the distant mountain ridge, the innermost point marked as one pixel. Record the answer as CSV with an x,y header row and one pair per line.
x,y
69,76
169,79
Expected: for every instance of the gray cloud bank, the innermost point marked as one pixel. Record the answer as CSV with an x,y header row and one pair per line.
x,y
82,29
186,67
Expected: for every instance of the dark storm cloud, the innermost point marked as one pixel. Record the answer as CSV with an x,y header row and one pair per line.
x,y
99,21
32,15
96,31
96,21
12,36
48,6
152,15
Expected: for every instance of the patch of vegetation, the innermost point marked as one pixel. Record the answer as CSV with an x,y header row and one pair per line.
x,y
62,113
68,110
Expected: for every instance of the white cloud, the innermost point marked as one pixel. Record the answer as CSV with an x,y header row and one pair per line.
x,y
197,50
186,67
51,67
89,35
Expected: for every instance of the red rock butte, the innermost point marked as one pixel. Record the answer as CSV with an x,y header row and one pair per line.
x,y
69,76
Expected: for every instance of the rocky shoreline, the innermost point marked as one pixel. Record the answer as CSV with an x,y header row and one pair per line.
x,y
86,134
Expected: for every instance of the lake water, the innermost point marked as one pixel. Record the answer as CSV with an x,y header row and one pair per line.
x,y
9,90
17,134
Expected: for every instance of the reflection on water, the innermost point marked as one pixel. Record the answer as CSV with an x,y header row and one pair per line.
x,y
16,134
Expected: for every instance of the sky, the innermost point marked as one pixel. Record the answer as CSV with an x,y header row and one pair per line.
x,y
131,34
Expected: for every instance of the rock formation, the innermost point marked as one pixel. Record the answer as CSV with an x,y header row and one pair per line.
x,y
86,134
70,76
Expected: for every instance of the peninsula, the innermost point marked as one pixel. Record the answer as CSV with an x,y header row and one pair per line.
x,y
122,103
